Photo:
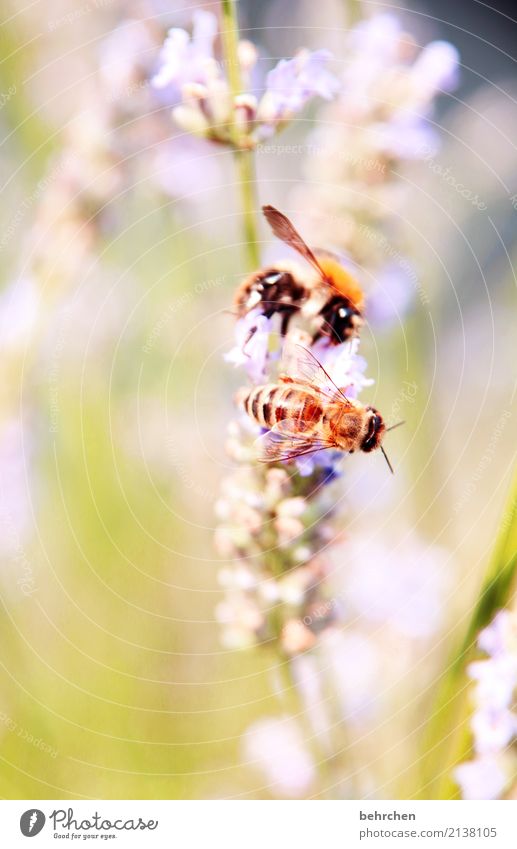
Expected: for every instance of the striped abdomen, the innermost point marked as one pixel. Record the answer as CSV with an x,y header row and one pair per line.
x,y
269,404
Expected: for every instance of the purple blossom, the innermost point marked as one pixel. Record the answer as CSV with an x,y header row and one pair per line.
x,y
185,59
391,294
500,636
496,680
195,81
276,746
354,664
493,730
384,584
293,82
252,342
436,68
344,365
483,778
493,723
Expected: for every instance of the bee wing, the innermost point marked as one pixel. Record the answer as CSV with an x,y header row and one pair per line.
x,y
302,366
285,441
284,230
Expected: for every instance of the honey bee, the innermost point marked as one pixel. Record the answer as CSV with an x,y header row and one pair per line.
x,y
335,298
308,412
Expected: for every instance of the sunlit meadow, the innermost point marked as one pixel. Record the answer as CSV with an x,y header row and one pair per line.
x,y
178,619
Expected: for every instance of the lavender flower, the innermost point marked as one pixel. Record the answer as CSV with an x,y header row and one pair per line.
x,y
494,721
482,778
379,122
289,581
293,83
276,746
193,79
252,342
188,59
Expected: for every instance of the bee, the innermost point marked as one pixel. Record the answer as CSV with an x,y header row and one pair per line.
x,y
308,412
276,290
334,297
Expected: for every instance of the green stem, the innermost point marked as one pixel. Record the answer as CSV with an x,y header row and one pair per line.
x,y
230,39
293,701
243,157
354,11
446,738
248,189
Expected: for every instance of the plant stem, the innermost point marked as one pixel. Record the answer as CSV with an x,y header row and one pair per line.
x,y
248,189
444,747
354,11
292,700
243,157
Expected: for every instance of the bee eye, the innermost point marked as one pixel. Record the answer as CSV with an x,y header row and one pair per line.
x,y
371,440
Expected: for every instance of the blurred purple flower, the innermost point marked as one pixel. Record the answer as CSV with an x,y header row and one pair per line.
x,y
15,472
496,680
391,294
500,636
354,665
293,82
385,584
276,747
483,778
493,730
185,59
494,722
196,82
436,68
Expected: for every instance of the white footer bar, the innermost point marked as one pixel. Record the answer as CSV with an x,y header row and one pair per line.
x,y
259,824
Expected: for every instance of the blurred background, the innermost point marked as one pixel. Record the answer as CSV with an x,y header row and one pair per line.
x,y
120,249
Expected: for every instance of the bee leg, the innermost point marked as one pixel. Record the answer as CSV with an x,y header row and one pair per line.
x,y
284,326
284,378
248,339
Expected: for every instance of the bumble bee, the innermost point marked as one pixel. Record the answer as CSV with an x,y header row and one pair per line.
x,y
333,300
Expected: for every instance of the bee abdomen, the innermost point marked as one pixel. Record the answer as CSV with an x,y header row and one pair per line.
x,y
258,403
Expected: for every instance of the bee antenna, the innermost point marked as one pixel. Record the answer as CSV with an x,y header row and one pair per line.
x,y
394,426
230,312
388,462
